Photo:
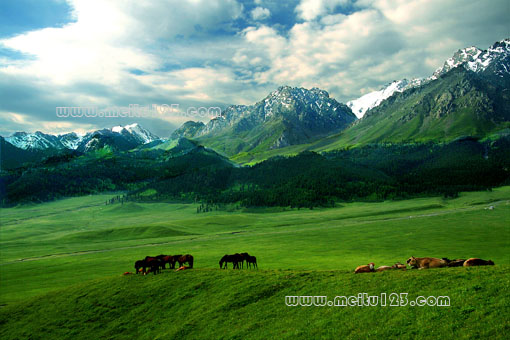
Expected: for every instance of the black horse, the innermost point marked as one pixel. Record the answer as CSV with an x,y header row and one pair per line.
x,y
174,260
251,261
139,265
234,259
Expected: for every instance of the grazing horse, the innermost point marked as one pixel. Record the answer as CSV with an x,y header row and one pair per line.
x,y
140,264
229,258
174,260
425,262
164,260
154,264
243,257
365,268
477,262
185,258
251,260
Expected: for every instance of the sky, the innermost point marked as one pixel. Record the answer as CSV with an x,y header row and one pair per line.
x,y
186,54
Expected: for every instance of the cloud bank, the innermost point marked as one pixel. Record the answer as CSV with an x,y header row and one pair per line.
x,y
214,53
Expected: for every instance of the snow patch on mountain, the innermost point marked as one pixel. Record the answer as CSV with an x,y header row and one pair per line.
x,y
370,100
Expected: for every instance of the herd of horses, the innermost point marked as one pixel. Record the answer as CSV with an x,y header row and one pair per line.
x,y
154,264
237,259
425,263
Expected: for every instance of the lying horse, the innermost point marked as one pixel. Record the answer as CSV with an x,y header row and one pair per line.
x,y
399,265
383,268
365,268
454,263
477,262
185,258
425,262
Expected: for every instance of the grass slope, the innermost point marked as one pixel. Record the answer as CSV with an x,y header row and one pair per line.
x,y
216,304
74,250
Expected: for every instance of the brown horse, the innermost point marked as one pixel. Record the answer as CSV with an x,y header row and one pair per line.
x,y
425,262
185,258
153,263
165,259
367,268
477,262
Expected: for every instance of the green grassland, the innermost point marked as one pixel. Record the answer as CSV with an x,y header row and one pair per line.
x,y
61,264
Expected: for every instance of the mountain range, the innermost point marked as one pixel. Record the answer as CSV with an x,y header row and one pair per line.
x,y
121,137
492,62
467,96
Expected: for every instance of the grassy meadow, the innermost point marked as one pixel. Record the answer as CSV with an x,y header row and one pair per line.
x,y
61,266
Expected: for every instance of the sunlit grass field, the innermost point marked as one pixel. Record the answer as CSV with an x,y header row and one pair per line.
x,y
70,254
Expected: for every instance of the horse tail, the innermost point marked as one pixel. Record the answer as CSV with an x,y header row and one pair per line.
x,y
190,261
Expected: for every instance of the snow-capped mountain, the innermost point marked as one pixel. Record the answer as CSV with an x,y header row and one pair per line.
x,y
495,60
70,140
370,100
135,131
122,137
477,60
287,116
36,140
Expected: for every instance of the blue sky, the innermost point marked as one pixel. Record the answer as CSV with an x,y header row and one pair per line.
x,y
215,53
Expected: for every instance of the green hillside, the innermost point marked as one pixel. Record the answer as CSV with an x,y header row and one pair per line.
x,y
218,304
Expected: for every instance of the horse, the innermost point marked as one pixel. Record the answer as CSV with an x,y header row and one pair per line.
x,y
164,260
139,265
185,258
399,265
367,268
251,260
154,264
454,263
425,262
229,258
477,262
173,260
383,268
244,257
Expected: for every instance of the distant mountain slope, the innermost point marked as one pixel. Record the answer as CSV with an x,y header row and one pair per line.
x,y
287,116
187,130
12,156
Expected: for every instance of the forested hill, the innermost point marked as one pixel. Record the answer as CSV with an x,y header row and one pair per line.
x,y
372,172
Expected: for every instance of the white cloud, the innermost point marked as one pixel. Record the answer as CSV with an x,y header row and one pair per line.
x,y
260,13
312,9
